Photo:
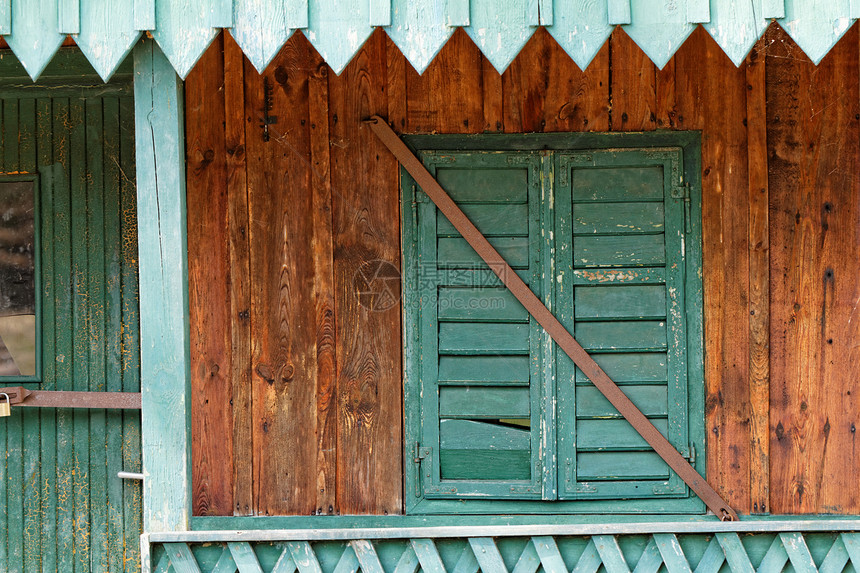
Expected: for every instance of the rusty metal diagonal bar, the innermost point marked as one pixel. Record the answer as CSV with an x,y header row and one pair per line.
x,y
549,322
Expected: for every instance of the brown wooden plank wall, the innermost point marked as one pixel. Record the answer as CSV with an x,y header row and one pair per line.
x,y
297,381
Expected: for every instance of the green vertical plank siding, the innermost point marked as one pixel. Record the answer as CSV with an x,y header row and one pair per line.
x,y
30,418
14,424
132,500
63,354
62,508
112,322
80,322
96,340
48,433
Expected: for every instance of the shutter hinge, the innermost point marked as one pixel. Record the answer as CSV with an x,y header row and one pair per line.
x,y
418,195
421,453
682,191
415,213
691,457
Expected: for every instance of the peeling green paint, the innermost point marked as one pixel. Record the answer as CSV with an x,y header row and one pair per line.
x,y
64,509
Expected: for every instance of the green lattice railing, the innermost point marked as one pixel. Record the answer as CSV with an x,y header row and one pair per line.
x,y
700,553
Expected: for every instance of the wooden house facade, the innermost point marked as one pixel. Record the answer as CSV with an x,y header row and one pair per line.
x,y
331,379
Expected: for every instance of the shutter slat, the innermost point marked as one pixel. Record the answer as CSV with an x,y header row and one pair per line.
x,y
630,367
483,338
483,402
485,369
619,251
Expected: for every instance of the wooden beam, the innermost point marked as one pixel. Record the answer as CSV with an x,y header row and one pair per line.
x,y
163,275
759,279
619,12
773,8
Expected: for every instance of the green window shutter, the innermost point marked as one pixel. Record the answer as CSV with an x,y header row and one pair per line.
x,y
479,357
620,233
610,239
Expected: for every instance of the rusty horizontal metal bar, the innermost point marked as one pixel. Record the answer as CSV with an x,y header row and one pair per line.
x,y
20,396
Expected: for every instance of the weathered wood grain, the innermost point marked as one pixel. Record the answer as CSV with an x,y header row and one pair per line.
x,y
810,153
709,93
324,286
208,272
365,225
397,65
491,88
634,90
812,134
543,90
759,277
446,98
283,322
241,281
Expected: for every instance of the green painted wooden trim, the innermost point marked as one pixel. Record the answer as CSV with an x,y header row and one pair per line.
x,y
380,12
698,11
854,9
619,12
164,346
525,553
297,14
545,12
773,8
459,13
37,278
144,15
5,16
221,13
69,12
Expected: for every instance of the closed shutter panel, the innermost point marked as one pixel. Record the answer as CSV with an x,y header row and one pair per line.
x,y
480,363
620,288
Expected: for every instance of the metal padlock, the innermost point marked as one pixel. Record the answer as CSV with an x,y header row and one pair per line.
x,y
5,407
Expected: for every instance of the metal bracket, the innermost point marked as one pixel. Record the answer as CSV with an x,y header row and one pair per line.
x,y
682,191
421,453
267,119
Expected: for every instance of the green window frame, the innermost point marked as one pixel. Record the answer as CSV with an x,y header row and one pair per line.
x,y
33,180
606,230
